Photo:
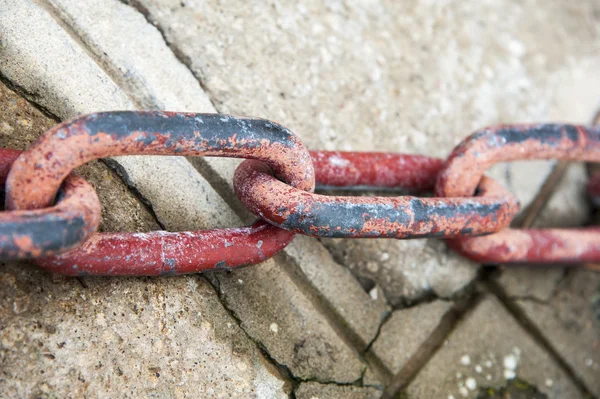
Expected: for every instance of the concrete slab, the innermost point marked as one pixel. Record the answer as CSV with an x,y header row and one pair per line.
x,y
485,350
403,334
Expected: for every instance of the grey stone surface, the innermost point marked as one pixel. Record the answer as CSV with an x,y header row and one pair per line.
x,y
130,338
485,350
311,390
284,320
410,78
405,331
361,311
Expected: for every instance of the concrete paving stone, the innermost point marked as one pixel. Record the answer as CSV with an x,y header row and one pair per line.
x,y
571,321
168,338
282,319
103,26
485,350
128,47
404,332
312,390
361,311
385,76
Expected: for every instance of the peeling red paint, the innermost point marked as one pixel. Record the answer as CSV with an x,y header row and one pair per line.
x,y
372,217
28,234
36,175
465,168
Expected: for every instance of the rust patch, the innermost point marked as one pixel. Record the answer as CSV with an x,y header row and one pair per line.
x,y
42,232
467,163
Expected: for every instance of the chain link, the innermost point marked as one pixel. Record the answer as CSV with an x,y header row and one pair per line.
x,y
276,183
465,167
52,230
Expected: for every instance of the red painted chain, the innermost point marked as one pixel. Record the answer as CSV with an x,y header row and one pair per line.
x,y
472,157
277,181
48,231
36,175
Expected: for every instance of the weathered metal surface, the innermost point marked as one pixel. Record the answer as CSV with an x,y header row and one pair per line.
x,y
165,253
33,233
36,175
375,170
533,246
465,168
392,217
38,172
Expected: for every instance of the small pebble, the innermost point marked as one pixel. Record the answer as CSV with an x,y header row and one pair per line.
x,y
465,360
471,383
510,362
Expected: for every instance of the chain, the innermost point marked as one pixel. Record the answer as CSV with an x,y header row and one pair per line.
x,y
52,214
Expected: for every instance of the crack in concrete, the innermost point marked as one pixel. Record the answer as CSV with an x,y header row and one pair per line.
x,y
29,96
538,336
284,370
554,292
431,345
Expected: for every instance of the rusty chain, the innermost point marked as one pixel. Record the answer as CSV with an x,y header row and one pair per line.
x,y
52,214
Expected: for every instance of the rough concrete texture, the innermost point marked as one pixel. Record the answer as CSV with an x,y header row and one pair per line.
x,y
486,350
311,390
570,319
362,312
405,331
282,318
410,78
165,338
